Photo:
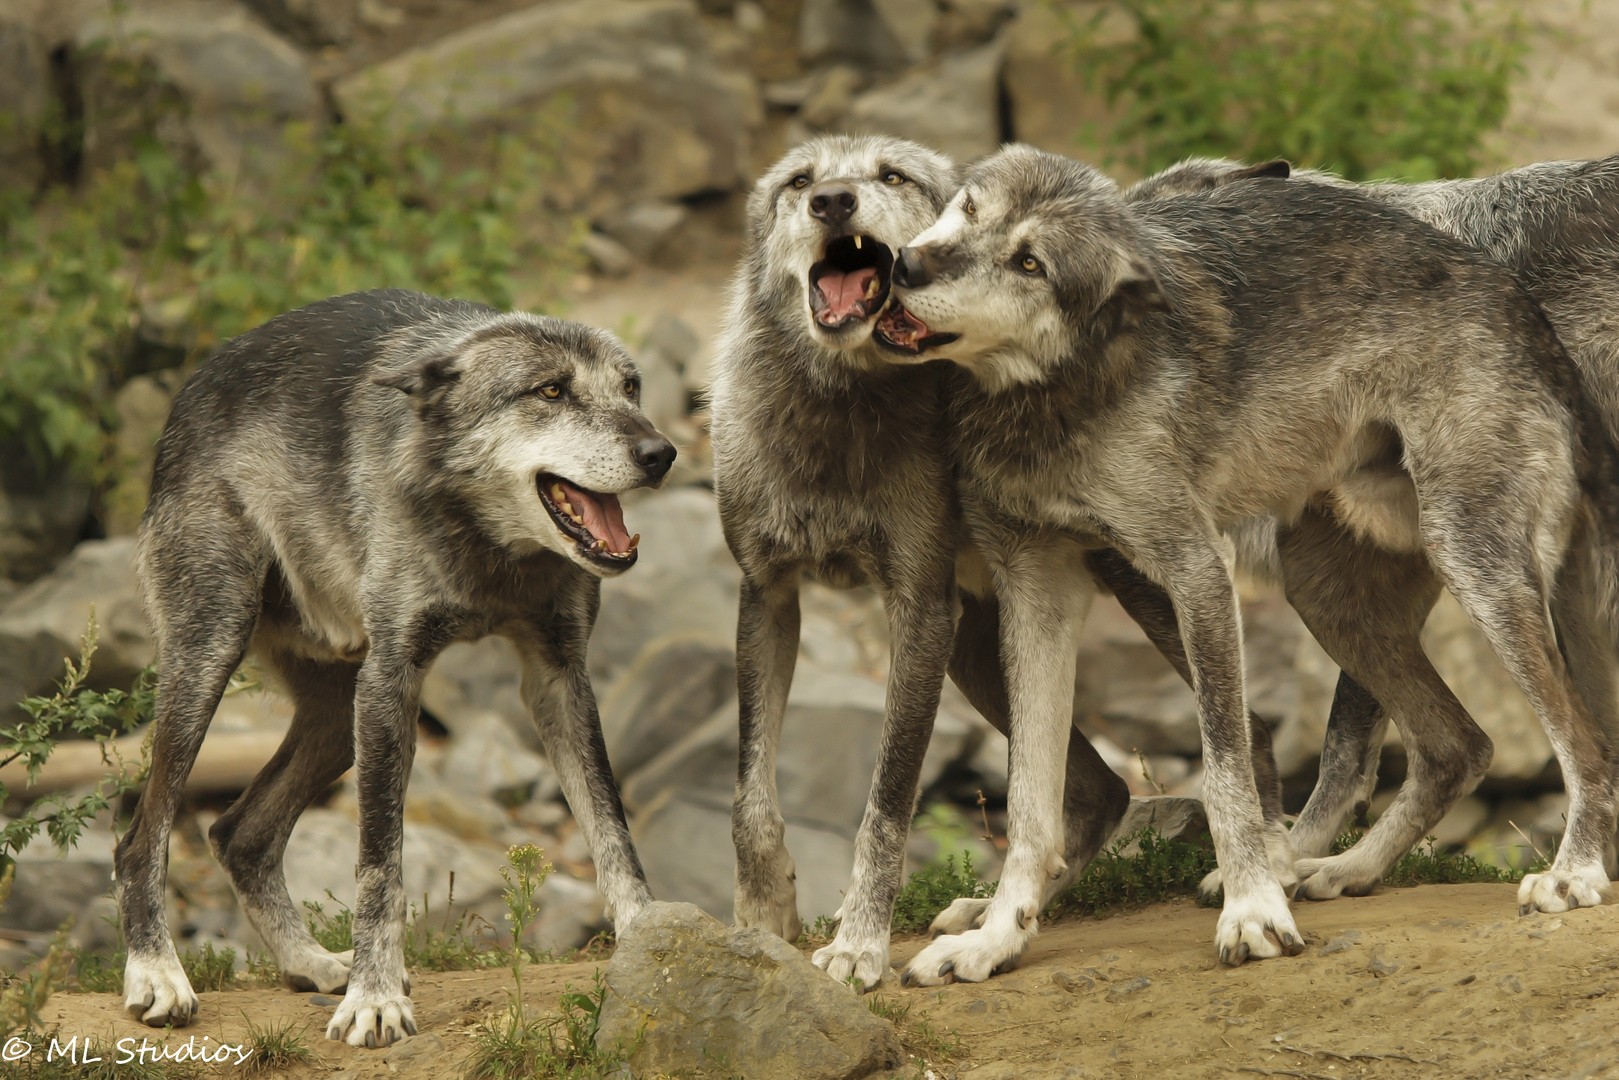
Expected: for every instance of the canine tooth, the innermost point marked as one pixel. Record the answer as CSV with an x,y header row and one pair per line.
x,y
857,242
577,520
871,288
634,542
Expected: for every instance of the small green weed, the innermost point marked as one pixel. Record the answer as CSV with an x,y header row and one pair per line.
x,y
209,968
1426,864
334,932
1160,869
931,889
927,1045
99,972
559,1047
276,1047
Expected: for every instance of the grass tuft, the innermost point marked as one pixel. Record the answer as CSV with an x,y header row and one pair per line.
x,y
276,1047
209,968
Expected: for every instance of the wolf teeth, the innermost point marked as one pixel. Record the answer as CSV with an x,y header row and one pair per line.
x,y
857,242
871,289
634,543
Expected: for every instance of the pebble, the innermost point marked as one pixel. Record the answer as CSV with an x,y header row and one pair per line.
x,y
1511,984
978,1007
324,1000
1128,987
1074,984
1346,939
1381,967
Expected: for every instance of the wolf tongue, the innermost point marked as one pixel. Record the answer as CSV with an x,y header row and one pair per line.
x,y
844,292
604,518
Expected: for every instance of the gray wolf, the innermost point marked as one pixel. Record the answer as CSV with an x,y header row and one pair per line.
x,y
864,492
343,492
1147,376
1555,225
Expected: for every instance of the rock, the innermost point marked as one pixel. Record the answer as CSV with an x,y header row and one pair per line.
x,y
1073,984
311,23
47,890
687,992
1052,104
571,913
670,337
1462,821
675,684
1348,939
43,623
96,926
142,405
42,513
469,680
416,1052
1381,966
25,103
1120,991
859,32
648,113
608,255
965,23
642,227
204,77
1173,817
486,760
952,105
832,96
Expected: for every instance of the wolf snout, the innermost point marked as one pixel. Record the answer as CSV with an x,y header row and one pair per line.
x,y
654,455
912,269
833,203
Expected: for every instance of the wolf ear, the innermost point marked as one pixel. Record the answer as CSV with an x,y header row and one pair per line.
x,y
1136,293
1279,169
423,379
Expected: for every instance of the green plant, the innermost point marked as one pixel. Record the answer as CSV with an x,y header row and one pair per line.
x,y
100,972
1426,864
925,1043
931,889
209,968
334,932
276,1047
1160,869
149,264
449,947
551,1047
1369,88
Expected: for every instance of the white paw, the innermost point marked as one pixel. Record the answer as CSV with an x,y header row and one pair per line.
x,y
860,961
975,955
372,1019
1258,926
158,992
1334,876
964,914
318,970
1279,853
776,912
1560,890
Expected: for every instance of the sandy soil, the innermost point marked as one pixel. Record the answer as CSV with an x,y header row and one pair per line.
x,y
1437,981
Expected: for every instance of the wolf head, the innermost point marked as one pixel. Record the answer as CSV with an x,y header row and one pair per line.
x,y
823,225
536,424
1035,255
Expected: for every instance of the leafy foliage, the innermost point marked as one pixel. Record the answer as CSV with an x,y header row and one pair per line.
x,y
209,968
1160,869
1427,864
931,889
148,264
1368,88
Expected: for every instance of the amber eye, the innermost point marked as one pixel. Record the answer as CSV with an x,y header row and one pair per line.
x,y
1030,265
551,391
893,179
631,387
800,181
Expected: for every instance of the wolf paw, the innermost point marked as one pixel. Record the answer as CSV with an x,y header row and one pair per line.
x,y
972,956
859,963
372,1019
964,914
777,914
320,971
1257,927
1562,890
1337,875
157,991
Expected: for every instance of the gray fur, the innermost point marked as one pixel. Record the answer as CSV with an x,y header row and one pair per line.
x,y
1148,376
343,492
1556,226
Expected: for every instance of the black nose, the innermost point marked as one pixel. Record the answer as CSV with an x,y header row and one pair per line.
x,y
911,269
655,456
832,203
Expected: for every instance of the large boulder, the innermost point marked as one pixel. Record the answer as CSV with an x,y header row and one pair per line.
x,y
43,623
648,112
676,683
696,998
204,77
42,510
25,101
952,105
868,33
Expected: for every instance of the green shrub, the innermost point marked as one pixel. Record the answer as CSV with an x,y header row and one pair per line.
x,y
148,265
931,889
1367,88
1160,869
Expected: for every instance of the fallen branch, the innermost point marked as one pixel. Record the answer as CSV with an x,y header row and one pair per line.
x,y
226,762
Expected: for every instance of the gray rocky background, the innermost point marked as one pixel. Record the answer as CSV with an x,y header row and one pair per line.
x,y
664,110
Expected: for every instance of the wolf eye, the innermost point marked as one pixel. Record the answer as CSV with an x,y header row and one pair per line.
x,y
800,181
551,391
968,207
893,178
632,387
1030,265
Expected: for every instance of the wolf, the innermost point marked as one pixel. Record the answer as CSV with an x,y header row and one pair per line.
x,y
1555,225
1146,376
342,493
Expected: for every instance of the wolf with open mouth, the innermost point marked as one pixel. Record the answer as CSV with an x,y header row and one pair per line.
x,y
344,492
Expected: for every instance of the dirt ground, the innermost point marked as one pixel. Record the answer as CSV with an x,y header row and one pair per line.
x,y
1436,981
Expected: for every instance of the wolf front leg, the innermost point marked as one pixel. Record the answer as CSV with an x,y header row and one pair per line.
x,y
766,653
1045,595
920,629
